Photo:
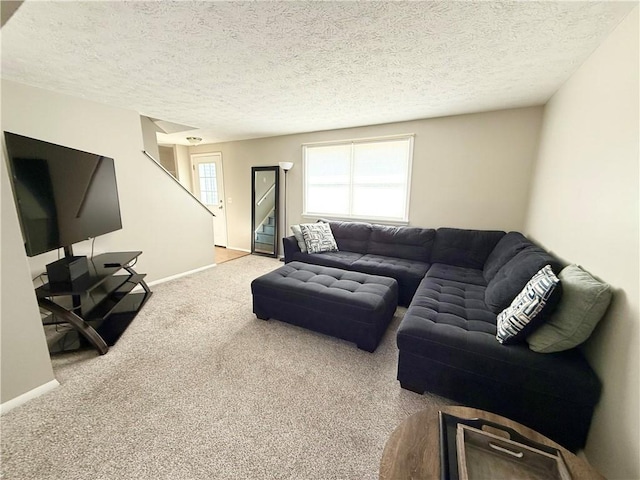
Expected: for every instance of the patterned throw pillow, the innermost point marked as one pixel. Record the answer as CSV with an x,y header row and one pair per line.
x,y
525,313
318,237
297,232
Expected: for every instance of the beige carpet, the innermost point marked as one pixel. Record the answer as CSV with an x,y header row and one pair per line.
x,y
198,388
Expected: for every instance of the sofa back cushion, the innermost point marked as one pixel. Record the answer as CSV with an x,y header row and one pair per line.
x,y
531,307
351,236
507,248
410,243
585,299
465,248
511,278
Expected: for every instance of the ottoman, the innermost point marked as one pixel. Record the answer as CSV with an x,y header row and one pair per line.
x,y
352,306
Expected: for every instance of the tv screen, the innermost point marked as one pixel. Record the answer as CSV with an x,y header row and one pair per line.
x,y
63,195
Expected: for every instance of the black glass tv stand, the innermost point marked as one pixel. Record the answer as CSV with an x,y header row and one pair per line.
x,y
96,308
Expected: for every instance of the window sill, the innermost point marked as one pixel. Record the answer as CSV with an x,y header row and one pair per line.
x,y
378,221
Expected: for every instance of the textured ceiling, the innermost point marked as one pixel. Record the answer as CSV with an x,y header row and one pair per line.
x,y
239,70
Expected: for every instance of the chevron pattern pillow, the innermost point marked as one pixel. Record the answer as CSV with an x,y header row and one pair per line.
x,y
318,237
530,308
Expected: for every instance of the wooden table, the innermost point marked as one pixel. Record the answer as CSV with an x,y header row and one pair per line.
x,y
413,449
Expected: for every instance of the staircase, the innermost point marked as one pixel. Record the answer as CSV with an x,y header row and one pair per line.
x,y
265,235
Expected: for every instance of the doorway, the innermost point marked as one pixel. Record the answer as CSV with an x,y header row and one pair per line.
x,y
208,185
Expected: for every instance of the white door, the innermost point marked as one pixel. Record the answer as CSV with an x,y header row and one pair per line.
x,y
208,184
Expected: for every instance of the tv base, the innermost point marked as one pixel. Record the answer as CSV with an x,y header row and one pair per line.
x,y
94,310
67,269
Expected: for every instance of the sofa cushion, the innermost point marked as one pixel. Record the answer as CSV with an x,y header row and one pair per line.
x,y
351,236
337,259
410,243
583,303
408,273
451,307
448,322
507,248
514,275
457,274
464,248
530,308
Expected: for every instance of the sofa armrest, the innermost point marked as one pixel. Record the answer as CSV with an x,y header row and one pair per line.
x,y
291,247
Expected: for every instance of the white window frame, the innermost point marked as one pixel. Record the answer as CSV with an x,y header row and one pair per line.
x,y
398,221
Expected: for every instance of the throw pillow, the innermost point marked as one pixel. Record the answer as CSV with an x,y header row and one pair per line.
x,y
318,237
297,232
584,301
525,312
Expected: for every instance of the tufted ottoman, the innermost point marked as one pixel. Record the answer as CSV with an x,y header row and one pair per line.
x,y
350,305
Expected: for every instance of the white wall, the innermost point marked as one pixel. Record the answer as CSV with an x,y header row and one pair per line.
x,y
469,171
149,138
173,232
183,161
155,211
584,206
24,359
167,159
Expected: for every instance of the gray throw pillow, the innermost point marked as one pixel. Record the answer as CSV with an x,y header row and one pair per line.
x,y
297,232
584,301
318,237
526,311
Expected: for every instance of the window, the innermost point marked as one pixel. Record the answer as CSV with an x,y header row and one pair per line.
x,y
208,183
360,179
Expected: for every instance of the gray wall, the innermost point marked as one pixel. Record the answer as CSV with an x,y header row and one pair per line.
x,y
470,171
149,139
584,207
174,233
24,360
185,173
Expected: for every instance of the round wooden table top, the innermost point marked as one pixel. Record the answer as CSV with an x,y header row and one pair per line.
x,y
413,449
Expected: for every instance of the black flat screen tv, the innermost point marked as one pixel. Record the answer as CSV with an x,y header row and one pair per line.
x,y
63,195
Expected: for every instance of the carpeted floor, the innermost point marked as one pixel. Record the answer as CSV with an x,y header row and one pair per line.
x,y
198,388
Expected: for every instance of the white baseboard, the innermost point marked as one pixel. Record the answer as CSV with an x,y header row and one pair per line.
x,y
30,395
183,274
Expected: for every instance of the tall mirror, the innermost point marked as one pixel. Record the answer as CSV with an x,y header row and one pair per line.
x,y
264,210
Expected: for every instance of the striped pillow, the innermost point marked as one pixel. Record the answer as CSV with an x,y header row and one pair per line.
x,y
530,308
318,237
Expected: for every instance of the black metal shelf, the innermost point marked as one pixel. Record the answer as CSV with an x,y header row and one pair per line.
x,y
95,309
97,274
101,306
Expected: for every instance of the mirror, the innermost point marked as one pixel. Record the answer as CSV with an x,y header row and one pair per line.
x,y
264,210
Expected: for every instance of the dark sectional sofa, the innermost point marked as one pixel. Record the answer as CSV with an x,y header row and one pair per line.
x,y
454,282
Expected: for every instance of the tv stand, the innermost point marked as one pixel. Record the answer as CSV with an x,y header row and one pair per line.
x,y
95,309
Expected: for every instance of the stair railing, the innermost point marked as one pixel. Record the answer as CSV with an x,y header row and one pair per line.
x,y
262,199
178,183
